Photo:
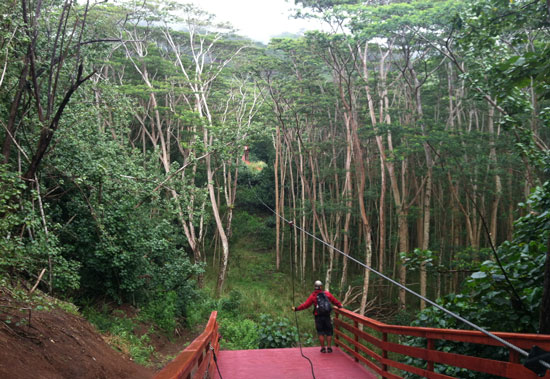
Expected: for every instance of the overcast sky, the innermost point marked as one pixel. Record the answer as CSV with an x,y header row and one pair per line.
x,y
259,20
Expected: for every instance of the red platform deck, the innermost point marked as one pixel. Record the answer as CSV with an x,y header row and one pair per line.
x,y
289,364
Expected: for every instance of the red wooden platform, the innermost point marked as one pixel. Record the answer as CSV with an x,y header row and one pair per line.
x,y
288,364
364,339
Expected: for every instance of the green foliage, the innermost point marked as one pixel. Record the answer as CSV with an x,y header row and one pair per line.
x,y
38,300
200,309
230,306
279,333
403,317
469,259
491,301
417,257
246,224
162,311
121,334
11,188
11,244
124,236
535,225
24,256
238,334
507,60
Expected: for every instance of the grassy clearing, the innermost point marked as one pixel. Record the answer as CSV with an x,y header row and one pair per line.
x,y
261,291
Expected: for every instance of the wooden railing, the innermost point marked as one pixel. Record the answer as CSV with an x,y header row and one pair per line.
x,y
196,359
372,347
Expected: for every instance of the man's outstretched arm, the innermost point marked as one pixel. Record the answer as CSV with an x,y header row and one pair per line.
x,y
308,303
334,300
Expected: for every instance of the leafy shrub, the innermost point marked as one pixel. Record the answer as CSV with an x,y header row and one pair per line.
x,y
10,244
231,305
403,317
492,302
246,224
238,334
161,310
27,256
202,307
124,234
175,275
120,334
279,333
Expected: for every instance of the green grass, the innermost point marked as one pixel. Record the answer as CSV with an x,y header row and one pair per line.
x,y
119,333
263,290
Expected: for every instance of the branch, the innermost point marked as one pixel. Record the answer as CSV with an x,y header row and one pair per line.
x,y
170,177
449,54
37,282
47,133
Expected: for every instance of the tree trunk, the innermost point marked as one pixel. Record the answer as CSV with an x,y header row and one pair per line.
x,y
425,241
277,202
498,183
10,129
348,192
219,225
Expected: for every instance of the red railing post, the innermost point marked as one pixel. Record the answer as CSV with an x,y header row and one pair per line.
x,y
384,352
430,344
336,314
356,324
514,356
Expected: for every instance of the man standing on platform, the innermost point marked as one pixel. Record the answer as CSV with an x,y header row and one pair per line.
x,y
321,299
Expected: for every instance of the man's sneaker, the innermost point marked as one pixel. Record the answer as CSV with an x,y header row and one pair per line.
x,y
323,350
329,350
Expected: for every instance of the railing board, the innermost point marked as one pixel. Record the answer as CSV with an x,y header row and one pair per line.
x,y
416,370
524,341
363,348
485,365
364,335
364,360
197,353
512,369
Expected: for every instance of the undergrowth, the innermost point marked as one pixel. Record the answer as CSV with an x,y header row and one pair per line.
x,y
255,310
119,332
38,300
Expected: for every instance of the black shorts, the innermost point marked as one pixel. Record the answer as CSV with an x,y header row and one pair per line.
x,y
323,324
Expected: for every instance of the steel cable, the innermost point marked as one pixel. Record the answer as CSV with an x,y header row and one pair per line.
x,y
458,317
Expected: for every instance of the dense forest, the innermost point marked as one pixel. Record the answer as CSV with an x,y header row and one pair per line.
x,y
151,154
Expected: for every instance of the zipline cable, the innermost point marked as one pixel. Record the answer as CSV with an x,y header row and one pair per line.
x,y
458,317
295,315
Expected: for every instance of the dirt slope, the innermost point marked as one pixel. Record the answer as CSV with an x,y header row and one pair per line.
x,y
55,345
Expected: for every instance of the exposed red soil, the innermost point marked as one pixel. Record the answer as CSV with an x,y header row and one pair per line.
x,y
58,344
